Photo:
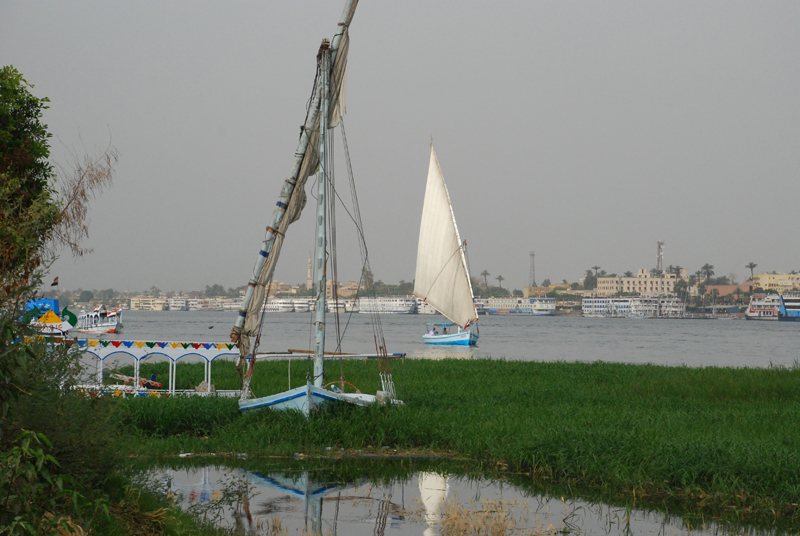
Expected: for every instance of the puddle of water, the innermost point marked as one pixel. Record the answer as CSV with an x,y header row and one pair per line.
x,y
369,498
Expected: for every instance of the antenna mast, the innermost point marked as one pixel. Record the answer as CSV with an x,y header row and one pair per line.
x,y
532,278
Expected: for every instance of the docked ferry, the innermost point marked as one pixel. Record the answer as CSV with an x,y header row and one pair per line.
x,y
522,306
388,305
763,307
101,320
279,305
789,308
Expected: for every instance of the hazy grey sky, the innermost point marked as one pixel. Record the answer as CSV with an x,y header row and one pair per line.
x,y
582,130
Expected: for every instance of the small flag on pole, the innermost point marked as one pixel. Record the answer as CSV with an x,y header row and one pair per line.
x,y
55,282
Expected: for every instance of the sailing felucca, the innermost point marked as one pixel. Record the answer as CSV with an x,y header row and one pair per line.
x,y
442,277
324,112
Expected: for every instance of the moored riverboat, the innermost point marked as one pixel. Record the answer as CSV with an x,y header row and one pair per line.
x,y
763,307
789,308
100,320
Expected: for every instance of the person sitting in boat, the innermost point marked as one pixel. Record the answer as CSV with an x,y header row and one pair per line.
x,y
444,330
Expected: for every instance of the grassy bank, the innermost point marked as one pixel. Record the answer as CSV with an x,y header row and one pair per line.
x,y
712,439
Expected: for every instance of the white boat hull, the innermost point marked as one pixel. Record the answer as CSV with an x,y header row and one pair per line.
x,y
307,399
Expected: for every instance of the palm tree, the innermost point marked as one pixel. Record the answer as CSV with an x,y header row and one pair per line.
x,y
751,265
708,270
628,274
500,279
595,268
738,294
485,274
677,270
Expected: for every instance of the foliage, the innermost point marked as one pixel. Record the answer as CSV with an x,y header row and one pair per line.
x,y
28,211
711,439
86,296
590,280
546,283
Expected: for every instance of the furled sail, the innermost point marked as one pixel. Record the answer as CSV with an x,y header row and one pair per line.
x,y
293,198
442,278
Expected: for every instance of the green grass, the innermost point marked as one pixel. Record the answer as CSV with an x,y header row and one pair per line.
x,y
705,439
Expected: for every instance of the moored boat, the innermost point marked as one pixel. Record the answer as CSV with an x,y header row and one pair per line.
x,y
387,305
324,111
789,308
101,320
763,307
45,316
522,306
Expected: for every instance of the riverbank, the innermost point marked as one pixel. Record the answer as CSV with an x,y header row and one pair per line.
x,y
716,441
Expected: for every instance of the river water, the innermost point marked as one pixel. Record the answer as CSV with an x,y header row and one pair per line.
x,y
694,343
398,497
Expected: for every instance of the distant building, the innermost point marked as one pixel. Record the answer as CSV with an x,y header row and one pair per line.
x,y
148,303
643,283
777,281
725,290
529,292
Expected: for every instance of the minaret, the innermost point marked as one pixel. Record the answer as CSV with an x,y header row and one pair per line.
x,y
309,279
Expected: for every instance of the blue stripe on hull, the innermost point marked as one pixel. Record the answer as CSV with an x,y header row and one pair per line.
x,y
458,339
300,398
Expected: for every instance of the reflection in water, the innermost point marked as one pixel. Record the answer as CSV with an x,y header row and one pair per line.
x,y
433,491
377,498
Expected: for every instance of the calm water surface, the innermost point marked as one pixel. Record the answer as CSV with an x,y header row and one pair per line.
x,y
321,497
694,343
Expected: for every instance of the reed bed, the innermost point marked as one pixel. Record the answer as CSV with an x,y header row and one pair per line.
x,y
715,439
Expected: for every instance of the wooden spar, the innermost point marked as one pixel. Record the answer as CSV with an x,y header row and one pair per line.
x,y
322,215
288,186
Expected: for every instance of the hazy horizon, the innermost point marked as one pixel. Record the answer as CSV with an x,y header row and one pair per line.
x,y
581,131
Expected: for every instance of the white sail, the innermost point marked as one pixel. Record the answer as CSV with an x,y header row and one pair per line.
x,y
309,166
442,278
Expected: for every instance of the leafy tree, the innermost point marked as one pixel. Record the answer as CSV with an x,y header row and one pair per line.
x,y
86,296
738,293
590,280
680,288
155,292
54,446
751,266
546,283
215,290
701,291
602,273
518,293
29,210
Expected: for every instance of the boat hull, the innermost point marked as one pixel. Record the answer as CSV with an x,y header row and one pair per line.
x,y
111,328
465,338
306,399
521,312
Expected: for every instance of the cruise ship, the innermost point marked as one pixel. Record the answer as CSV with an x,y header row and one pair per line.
x,y
178,304
279,305
388,305
424,308
763,307
522,306
633,307
789,309
302,305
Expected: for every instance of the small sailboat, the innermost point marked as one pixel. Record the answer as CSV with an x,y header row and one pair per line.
x,y
323,113
442,277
